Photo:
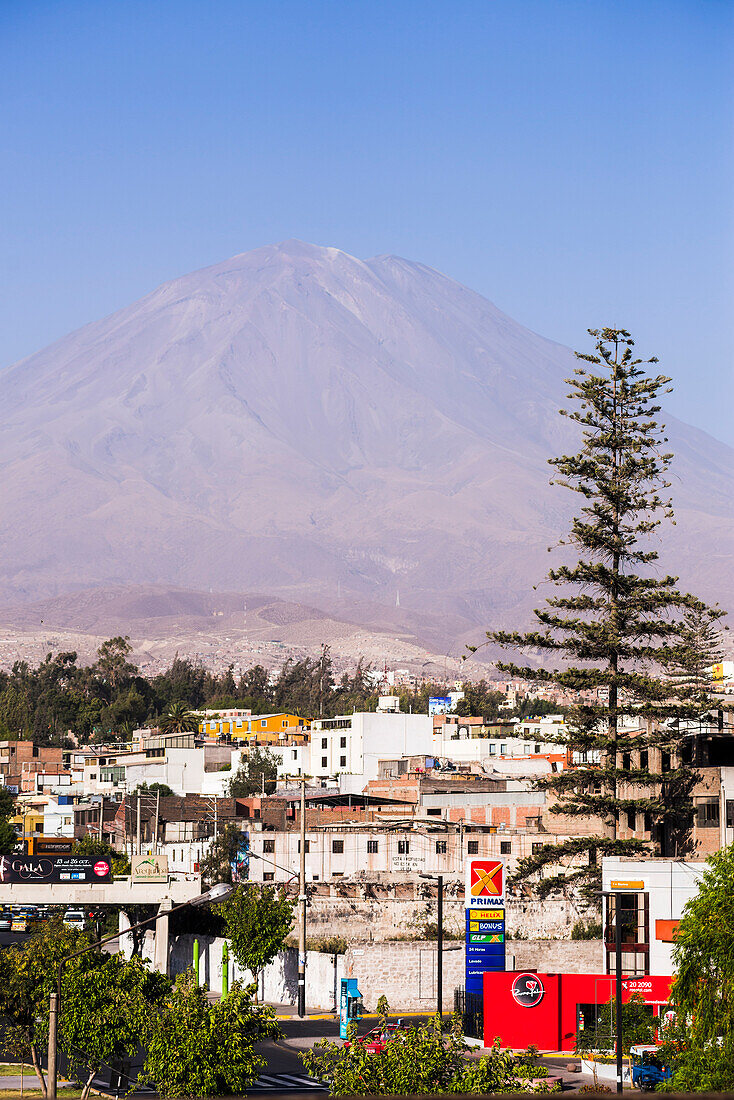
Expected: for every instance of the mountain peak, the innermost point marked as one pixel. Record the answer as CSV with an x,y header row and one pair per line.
x,y
297,421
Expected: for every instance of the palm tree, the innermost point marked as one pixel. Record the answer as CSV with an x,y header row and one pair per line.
x,y
178,719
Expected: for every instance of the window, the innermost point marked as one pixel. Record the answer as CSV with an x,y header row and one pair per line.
x,y
342,761
269,876
537,847
634,918
664,761
268,846
337,847
492,748
294,754
526,748
373,847
324,762
403,847
342,742
730,813
440,847
537,748
284,723
626,761
503,750
239,723
307,847
264,723
324,742
707,813
473,847
643,759
435,811
631,819
505,847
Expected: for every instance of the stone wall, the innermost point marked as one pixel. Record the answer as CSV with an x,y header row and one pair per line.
x,y
406,972
396,918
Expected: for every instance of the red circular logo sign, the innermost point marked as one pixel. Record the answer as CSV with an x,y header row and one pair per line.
x,y
101,868
528,990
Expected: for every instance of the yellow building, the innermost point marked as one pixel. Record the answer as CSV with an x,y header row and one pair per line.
x,y
253,727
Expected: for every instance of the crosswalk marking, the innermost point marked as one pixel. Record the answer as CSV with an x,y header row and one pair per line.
x,y
286,1082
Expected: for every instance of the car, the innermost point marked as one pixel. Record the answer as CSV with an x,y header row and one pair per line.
x,y
375,1041
74,918
648,1070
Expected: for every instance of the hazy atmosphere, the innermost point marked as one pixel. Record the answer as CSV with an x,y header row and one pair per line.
x,y
572,162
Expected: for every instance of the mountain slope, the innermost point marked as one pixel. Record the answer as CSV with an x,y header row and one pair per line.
x,y
300,422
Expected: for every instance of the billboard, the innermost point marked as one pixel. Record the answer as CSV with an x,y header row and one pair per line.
x,y
240,864
31,870
149,868
439,704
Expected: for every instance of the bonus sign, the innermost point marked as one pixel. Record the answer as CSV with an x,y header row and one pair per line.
x,y
485,920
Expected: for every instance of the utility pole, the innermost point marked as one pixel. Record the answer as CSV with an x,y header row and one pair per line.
x,y
302,902
157,819
618,984
439,960
53,1031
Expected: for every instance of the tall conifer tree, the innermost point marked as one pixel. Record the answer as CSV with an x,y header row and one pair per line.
x,y
630,642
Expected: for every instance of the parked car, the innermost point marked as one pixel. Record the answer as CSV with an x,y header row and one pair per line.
x,y
6,919
74,918
647,1068
375,1041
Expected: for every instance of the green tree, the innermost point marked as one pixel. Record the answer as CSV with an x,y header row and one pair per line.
x,y
27,977
258,920
178,719
96,849
257,773
417,1060
112,661
216,865
638,1025
194,1048
617,627
702,1046
155,788
104,1011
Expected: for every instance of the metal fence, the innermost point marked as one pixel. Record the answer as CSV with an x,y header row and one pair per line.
x,y
470,1007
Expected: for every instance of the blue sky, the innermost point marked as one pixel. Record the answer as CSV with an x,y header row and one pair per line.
x,y
572,161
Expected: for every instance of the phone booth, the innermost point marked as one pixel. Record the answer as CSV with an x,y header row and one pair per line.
x,y
350,1005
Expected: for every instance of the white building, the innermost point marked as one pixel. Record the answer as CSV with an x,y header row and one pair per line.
x,y
457,740
652,895
350,746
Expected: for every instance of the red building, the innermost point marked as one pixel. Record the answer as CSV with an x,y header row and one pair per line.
x,y
524,1007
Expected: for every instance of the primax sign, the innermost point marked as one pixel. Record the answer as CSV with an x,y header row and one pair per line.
x,y
485,920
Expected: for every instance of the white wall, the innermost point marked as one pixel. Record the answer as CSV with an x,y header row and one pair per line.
x,y
353,751
277,982
669,884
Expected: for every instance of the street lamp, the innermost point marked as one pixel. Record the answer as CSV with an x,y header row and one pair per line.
x,y
218,893
439,941
617,894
